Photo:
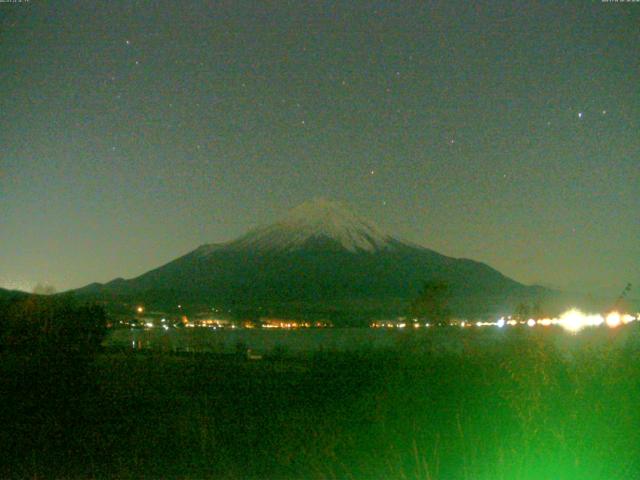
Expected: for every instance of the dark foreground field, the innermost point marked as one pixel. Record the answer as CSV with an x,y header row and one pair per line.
x,y
516,410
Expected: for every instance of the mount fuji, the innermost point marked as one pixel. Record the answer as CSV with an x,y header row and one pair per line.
x,y
320,260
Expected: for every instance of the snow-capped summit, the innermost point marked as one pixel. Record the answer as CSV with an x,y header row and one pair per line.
x,y
316,220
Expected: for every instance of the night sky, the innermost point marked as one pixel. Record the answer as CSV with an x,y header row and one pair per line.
x,y
507,132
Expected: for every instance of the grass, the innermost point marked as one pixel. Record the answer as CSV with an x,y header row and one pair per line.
x,y
518,409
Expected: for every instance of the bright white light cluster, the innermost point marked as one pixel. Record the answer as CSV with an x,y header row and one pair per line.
x,y
572,320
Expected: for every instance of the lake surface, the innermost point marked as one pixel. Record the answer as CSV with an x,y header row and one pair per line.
x,y
453,340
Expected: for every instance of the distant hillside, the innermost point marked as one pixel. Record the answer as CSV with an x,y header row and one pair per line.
x,y
12,294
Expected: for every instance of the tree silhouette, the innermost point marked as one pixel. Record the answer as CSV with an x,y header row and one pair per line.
x,y
522,311
41,324
432,303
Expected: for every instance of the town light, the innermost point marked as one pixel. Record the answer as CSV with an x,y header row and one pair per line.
x,y
613,319
573,320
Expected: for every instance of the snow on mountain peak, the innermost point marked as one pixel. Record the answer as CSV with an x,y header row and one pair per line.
x,y
317,219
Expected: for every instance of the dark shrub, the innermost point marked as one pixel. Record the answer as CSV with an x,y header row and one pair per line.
x,y
47,347
51,324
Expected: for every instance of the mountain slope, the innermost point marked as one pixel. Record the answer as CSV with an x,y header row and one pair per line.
x,y
320,259
6,295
